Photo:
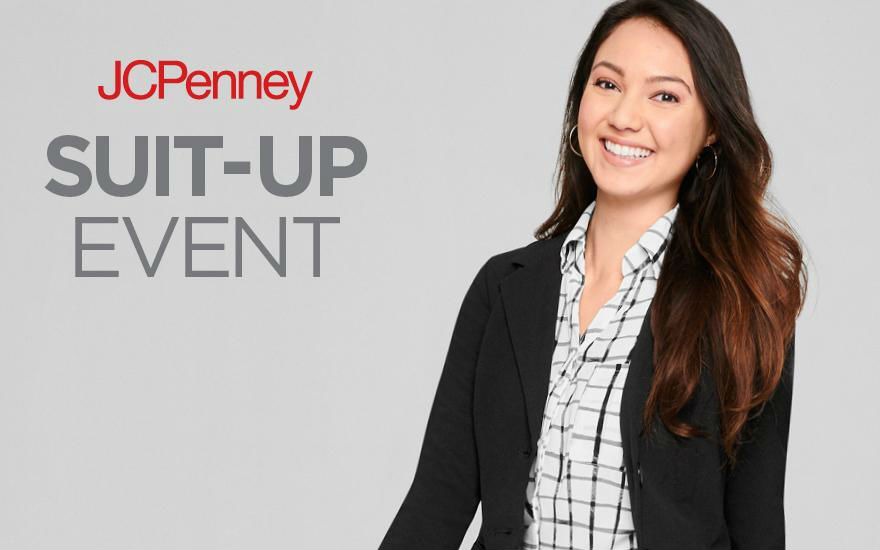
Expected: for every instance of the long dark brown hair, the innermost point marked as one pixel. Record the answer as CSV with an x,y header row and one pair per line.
x,y
739,282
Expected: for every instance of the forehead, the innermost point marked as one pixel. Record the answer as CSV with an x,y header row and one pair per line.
x,y
642,48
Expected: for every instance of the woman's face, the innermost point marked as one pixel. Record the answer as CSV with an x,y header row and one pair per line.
x,y
629,100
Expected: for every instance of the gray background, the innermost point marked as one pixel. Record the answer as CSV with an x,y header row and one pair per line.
x,y
288,413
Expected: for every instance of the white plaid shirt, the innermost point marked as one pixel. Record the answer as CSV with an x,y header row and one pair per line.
x,y
578,474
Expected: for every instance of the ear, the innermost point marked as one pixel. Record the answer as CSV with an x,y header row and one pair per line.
x,y
711,139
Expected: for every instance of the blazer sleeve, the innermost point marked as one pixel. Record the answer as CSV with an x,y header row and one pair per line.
x,y
755,486
445,492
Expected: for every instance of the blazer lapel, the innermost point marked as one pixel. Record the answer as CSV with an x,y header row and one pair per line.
x,y
635,394
531,299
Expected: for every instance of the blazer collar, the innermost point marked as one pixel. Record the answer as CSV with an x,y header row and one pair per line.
x,y
530,296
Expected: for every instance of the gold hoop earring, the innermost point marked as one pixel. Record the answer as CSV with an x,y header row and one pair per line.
x,y
714,167
570,145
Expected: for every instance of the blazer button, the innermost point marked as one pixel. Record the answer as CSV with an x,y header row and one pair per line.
x,y
641,477
526,453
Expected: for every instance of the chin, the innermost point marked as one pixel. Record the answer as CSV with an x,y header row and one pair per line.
x,y
620,187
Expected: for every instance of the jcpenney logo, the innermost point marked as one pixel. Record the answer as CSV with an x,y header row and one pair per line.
x,y
201,84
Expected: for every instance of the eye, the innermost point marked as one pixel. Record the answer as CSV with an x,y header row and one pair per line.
x,y
673,96
599,82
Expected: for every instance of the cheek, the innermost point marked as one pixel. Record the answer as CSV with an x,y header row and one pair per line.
x,y
678,137
590,113
674,142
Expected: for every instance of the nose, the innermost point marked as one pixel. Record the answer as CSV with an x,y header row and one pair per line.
x,y
626,115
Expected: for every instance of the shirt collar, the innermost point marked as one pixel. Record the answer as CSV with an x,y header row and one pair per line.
x,y
646,250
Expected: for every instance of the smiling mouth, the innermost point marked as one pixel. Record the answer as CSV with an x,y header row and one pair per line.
x,y
626,152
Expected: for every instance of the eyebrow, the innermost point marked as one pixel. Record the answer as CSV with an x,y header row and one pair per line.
x,y
659,78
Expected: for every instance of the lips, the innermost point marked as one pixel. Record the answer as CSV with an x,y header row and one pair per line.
x,y
623,162
624,143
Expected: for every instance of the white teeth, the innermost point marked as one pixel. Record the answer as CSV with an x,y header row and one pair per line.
x,y
625,151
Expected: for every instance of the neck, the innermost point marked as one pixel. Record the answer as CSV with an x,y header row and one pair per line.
x,y
615,226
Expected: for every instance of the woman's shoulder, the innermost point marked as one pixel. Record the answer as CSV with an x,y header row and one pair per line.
x,y
536,250
502,263
485,287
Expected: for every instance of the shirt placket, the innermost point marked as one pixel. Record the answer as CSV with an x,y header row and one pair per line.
x,y
566,383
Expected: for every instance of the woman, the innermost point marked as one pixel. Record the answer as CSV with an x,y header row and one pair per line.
x,y
589,402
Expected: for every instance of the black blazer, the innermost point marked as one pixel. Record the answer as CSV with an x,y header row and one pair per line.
x,y
485,420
